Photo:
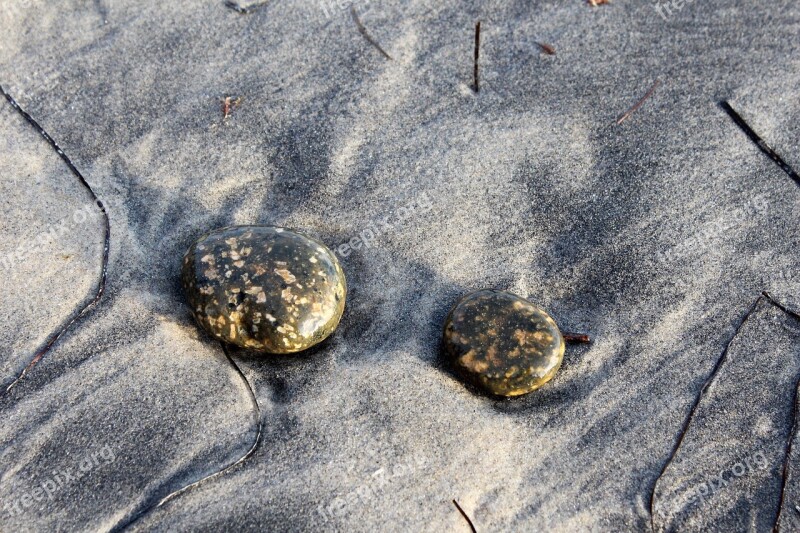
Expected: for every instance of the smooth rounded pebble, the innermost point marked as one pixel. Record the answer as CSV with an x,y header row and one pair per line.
x,y
502,343
264,288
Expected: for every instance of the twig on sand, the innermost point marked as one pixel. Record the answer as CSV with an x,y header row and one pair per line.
x,y
363,31
580,338
626,115
759,141
475,72
466,517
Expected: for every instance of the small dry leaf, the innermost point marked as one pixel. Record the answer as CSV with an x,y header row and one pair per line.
x,y
547,49
228,105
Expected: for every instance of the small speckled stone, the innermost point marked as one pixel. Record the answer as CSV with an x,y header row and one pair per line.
x,y
264,288
503,343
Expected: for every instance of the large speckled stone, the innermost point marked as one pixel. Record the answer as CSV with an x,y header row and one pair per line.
x,y
264,288
503,343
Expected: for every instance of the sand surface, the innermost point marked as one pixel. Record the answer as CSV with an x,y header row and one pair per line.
x,y
657,236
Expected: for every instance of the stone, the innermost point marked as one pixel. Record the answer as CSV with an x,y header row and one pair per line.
x,y
502,343
264,288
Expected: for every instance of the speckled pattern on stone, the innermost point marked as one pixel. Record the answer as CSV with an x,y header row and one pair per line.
x,y
503,343
264,288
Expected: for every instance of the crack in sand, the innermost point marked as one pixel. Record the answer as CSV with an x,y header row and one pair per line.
x,y
684,429
787,455
101,284
767,149
788,452
466,517
172,495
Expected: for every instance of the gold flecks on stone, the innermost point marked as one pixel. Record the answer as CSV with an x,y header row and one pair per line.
x,y
502,343
264,288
